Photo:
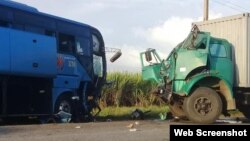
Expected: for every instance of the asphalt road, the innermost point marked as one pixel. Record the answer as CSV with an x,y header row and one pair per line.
x,y
142,130
148,130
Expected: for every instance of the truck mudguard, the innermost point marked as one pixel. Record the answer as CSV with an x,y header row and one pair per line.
x,y
225,87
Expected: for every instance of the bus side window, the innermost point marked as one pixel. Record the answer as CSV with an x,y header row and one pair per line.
x,y
66,43
79,49
96,44
82,46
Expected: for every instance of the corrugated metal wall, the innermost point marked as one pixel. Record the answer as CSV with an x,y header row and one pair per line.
x,y
236,30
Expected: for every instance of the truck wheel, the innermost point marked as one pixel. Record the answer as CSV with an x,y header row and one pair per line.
x,y
176,107
204,105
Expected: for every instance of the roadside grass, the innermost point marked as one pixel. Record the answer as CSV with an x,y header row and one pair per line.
x,y
127,92
129,89
124,113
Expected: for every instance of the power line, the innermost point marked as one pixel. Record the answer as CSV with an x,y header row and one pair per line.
x,y
228,6
236,5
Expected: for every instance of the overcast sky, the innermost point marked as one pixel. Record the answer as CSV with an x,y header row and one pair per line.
x,y
135,25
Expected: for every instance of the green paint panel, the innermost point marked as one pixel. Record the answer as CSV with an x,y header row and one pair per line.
x,y
152,72
188,60
178,86
221,58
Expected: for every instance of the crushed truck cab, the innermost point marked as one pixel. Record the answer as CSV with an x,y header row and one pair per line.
x,y
196,77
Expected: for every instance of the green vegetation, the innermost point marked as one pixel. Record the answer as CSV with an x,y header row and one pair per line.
x,y
128,89
126,93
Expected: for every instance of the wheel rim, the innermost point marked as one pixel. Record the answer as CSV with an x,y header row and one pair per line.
x,y
65,106
203,106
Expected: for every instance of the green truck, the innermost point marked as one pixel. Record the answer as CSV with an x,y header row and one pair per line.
x,y
205,76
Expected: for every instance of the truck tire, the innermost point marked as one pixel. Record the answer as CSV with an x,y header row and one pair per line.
x,y
204,105
176,107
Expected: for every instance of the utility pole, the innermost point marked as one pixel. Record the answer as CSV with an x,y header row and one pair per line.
x,y
205,14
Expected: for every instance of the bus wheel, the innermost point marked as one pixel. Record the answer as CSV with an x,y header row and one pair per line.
x,y
204,105
63,109
176,106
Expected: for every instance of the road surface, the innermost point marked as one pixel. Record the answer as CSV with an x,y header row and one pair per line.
x,y
142,130
148,130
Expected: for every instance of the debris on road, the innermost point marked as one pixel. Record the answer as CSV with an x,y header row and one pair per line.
x,y
64,117
163,116
133,130
108,120
78,127
137,123
139,114
229,120
131,125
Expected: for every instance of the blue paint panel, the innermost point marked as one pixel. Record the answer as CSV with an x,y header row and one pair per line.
x,y
5,50
82,73
67,66
32,54
69,82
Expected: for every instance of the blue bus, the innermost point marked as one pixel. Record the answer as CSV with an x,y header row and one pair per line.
x,y
48,63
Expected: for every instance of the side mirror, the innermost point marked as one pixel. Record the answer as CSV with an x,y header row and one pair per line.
x,y
116,56
148,56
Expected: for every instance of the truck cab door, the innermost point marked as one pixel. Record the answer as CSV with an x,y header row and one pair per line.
x,y
221,59
192,55
151,65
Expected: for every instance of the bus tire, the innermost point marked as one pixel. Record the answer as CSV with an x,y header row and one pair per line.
x,y
204,105
64,103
